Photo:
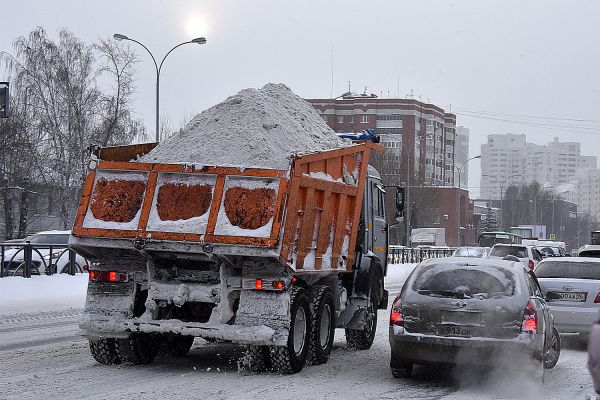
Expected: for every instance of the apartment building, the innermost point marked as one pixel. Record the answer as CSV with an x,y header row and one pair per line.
x,y
419,138
507,159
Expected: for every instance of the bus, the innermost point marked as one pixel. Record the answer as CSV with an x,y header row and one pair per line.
x,y
488,239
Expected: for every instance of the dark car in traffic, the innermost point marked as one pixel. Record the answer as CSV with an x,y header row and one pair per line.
x,y
454,311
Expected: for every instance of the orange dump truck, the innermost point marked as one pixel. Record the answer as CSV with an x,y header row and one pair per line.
x,y
273,259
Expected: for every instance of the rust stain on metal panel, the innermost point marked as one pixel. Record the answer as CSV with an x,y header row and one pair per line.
x,y
117,200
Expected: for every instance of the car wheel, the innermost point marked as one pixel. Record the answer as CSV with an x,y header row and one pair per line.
x,y
401,369
21,267
552,352
65,269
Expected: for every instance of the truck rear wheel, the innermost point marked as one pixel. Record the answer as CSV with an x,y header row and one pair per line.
x,y
138,348
104,351
291,358
256,359
178,345
322,324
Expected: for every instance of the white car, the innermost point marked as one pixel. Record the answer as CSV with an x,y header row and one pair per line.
x,y
50,255
528,255
571,286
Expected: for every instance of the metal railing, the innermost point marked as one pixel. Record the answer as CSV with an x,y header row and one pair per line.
x,y
26,259
403,255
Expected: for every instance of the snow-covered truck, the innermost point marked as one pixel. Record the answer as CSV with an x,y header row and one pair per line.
x,y
273,259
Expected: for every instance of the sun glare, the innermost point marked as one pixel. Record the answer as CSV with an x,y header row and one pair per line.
x,y
196,26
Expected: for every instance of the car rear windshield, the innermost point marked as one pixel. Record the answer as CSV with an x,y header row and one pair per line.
x,y
459,282
50,239
503,251
565,269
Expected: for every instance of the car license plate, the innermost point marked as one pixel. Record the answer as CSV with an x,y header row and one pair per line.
x,y
571,296
455,330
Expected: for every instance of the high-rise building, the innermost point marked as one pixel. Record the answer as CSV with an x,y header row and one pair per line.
x,y
419,138
462,155
507,159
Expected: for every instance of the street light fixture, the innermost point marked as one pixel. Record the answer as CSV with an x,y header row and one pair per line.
x,y
458,199
119,37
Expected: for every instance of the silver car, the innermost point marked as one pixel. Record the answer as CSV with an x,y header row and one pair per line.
x,y
528,255
471,311
571,286
470,251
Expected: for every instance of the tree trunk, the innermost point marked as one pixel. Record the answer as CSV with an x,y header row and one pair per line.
x,y
24,213
8,215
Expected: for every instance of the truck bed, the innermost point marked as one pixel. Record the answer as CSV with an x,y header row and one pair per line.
x,y
306,216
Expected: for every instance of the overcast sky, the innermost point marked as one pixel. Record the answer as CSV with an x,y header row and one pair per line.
x,y
508,59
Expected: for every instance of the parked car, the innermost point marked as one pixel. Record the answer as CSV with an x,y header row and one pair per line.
x,y
571,287
469,251
465,311
528,255
50,255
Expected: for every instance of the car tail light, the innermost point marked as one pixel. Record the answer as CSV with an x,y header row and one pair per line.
x,y
597,299
531,265
396,317
530,319
108,276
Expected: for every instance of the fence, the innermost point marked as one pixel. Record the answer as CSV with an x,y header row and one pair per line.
x,y
26,259
403,255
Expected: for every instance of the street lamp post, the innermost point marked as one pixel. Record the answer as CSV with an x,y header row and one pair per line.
x,y
199,40
458,199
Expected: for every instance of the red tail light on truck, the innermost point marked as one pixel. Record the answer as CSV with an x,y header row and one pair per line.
x,y
108,276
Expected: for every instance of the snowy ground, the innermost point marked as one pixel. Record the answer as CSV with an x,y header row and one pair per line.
x,y
42,357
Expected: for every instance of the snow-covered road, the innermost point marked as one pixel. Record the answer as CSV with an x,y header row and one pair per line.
x,y
42,357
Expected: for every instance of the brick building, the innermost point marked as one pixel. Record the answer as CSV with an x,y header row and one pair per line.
x,y
419,137
420,151
436,207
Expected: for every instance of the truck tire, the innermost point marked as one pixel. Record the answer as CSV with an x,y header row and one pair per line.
x,y
322,324
362,339
255,359
104,351
178,345
291,358
138,348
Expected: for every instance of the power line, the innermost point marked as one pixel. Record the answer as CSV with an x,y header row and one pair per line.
x,y
554,127
528,116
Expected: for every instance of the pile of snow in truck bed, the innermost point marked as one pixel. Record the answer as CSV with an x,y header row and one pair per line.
x,y
254,128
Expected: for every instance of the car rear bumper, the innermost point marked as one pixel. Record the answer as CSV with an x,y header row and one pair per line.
x,y
574,319
430,349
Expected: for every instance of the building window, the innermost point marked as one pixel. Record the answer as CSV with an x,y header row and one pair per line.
x,y
340,119
364,119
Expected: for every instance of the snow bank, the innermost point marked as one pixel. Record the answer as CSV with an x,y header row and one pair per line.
x,y
254,128
42,293
398,273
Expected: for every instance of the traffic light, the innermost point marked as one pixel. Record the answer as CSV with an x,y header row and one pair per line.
x,y
4,99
